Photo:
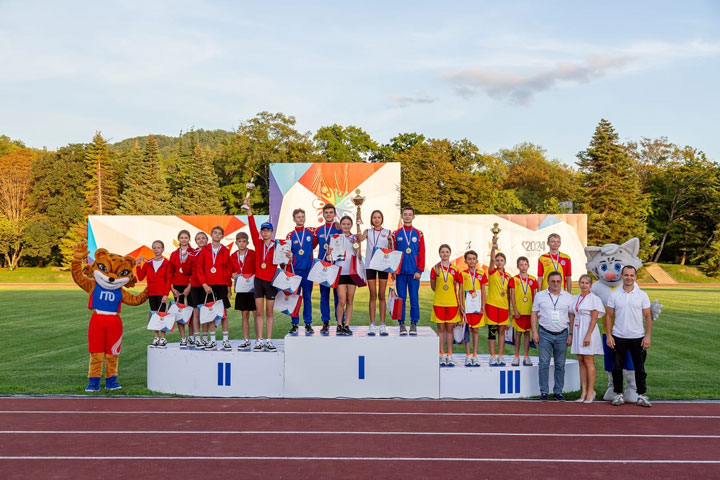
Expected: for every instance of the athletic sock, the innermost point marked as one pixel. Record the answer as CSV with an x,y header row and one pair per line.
x,y
212,335
225,336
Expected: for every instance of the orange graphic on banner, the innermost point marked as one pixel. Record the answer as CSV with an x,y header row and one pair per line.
x,y
205,222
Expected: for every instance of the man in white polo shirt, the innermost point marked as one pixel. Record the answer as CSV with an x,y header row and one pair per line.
x,y
627,309
550,322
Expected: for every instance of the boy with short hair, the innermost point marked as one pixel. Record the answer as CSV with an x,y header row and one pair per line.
x,y
411,242
302,241
470,281
554,261
522,292
243,263
496,306
323,234
214,272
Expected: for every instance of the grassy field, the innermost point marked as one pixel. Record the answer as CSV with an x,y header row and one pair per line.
x,y
682,363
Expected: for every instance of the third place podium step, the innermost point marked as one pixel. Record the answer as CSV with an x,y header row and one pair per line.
x,y
362,366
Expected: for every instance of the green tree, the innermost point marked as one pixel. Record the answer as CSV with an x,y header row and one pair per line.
x,y
540,184
266,138
15,182
345,144
612,196
101,188
201,196
144,185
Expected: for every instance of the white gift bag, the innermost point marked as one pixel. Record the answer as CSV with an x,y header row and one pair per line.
x,y
286,281
162,321
282,247
386,260
211,311
287,303
245,284
183,313
324,273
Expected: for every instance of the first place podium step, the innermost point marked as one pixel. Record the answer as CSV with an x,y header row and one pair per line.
x,y
362,366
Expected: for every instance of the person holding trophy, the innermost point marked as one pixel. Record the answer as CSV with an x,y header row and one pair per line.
x,y
496,307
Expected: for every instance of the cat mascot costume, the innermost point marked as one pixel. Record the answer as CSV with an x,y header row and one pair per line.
x,y
606,263
104,280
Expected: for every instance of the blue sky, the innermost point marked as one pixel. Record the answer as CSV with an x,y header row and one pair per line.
x,y
497,73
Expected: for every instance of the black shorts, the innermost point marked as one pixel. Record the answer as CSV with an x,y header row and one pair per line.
x,y
155,303
181,298
245,301
196,297
264,288
346,280
375,274
221,293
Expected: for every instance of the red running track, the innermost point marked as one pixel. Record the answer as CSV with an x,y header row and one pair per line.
x,y
260,438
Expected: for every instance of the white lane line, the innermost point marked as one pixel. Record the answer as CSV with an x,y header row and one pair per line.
x,y
379,459
344,432
308,413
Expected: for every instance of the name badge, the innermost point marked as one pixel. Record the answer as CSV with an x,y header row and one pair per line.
x,y
555,316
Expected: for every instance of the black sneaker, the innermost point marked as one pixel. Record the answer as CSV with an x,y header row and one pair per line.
x,y
413,329
308,329
559,397
340,331
544,397
325,330
347,330
403,330
293,329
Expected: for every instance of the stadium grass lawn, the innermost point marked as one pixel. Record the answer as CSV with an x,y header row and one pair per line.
x,y
35,275
44,342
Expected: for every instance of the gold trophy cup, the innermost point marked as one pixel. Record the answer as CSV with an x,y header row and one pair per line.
x,y
495,231
358,200
250,186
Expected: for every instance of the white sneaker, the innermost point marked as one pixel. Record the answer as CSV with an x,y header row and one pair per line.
x,y
468,361
211,345
493,361
226,345
155,342
162,343
270,347
476,361
643,401
450,361
516,362
500,360
259,346
618,399
372,330
383,330
244,345
527,362
442,360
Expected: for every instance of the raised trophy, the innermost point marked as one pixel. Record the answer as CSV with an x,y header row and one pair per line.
x,y
495,231
250,186
358,200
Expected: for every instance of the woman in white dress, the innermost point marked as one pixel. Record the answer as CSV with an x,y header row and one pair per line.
x,y
380,237
586,342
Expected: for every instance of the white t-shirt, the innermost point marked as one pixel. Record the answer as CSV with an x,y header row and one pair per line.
x,y
375,238
629,321
156,264
545,303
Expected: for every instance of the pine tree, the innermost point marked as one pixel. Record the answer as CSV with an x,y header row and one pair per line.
x,y
612,195
201,195
102,187
145,187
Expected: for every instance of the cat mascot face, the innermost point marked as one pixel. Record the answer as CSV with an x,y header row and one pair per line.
x,y
606,262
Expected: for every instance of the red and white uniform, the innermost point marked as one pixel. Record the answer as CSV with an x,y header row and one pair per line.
x,y
263,253
158,282
181,266
244,266
214,266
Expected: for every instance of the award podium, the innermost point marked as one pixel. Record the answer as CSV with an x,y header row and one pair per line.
x,y
330,366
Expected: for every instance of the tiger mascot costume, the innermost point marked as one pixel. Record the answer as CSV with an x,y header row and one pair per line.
x,y
104,280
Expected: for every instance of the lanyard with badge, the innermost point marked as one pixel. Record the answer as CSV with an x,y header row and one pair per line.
x,y
555,315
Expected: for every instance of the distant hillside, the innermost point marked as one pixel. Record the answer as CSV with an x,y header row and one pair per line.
x,y
213,139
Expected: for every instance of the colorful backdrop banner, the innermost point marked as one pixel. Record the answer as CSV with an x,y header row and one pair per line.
x,y
312,185
134,234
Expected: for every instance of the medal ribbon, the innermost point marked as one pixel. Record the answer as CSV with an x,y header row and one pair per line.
x,y
241,262
524,285
301,239
407,240
266,249
215,253
556,264
445,273
183,256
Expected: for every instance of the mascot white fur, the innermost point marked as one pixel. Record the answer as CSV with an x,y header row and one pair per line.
x,y
606,263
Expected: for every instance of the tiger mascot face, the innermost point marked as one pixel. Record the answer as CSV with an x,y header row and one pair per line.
x,y
111,271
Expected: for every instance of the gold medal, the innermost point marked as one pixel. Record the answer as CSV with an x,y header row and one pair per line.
x,y
325,246
356,245
213,270
263,265
502,294
408,250
328,256
445,287
301,252
525,299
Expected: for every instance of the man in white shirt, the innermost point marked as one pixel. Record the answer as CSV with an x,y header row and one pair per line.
x,y
550,322
627,309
